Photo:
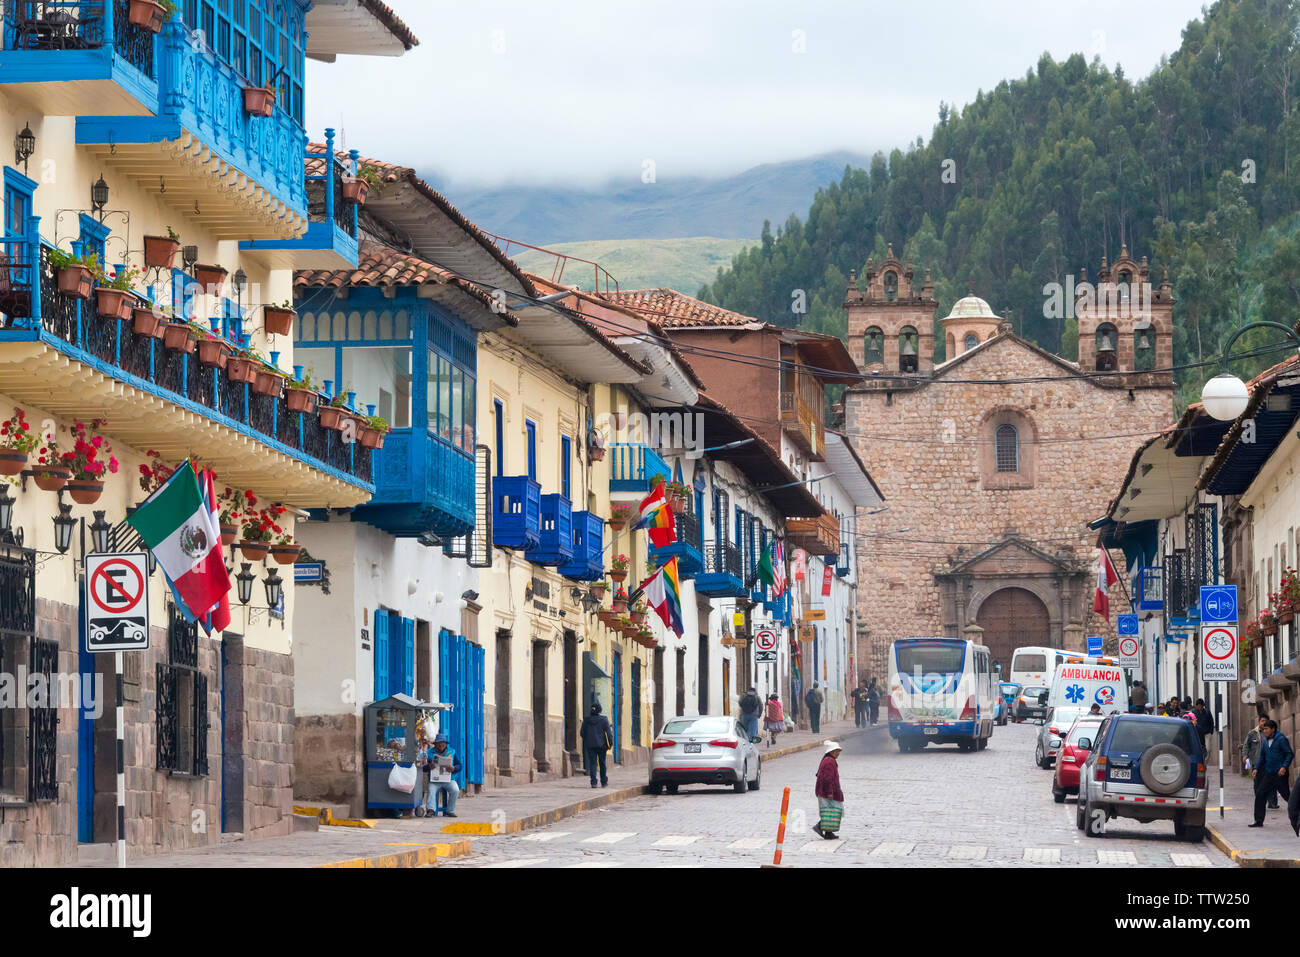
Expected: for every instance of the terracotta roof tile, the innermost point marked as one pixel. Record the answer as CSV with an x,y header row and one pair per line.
x,y
385,15
673,310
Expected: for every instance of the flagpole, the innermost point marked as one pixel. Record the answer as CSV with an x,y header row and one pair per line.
x,y
1120,578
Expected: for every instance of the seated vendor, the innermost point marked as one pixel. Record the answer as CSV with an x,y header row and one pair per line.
x,y
433,756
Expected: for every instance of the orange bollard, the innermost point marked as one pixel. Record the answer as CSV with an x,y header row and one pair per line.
x,y
780,831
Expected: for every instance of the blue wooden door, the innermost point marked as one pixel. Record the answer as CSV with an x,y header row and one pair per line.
x,y
85,737
381,655
460,684
407,669
618,704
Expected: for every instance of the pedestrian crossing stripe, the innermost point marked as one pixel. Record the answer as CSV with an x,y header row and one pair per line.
x,y
749,844
676,840
821,846
967,852
518,862
1043,855
545,835
1190,860
893,849
1116,857
609,837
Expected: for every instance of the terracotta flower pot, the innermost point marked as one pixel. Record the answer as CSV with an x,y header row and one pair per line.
x,y
617,524
211,278
677,503
160,330
177,337
1285,614
617,577
145,322
331,417
370,438
51,479
85,491
619,605
241,370
268,383
160,252
11,462
277,320
75,281
146,14
228,535
1269,630
355,191
285,554
638,617
213,353
301,400
597,593
254,551
258,101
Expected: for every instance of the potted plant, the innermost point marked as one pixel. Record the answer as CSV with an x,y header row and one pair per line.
x,y
373,431
1253,637
114,298
638,612
179,336
301,393
277,320
283,549
270,380
1268,623
625,625
619,515
645,636
258,535
1288,598
596,589
241,368
75,273
232,503
259,100
677,493
147,317
17,441
335,414
154,472
214,352
618,568
211,278
49,473
90,457
357,188
160,251
619,602
607,617
149,14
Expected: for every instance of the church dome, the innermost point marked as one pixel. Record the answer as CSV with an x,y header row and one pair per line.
x,y
972,307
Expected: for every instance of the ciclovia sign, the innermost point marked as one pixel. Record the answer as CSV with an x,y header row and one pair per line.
x,y
1219,653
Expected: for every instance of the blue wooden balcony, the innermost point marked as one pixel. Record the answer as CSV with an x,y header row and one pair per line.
x,y
633,466
422,486
516,512
555,542
686,549
58,355
842,567
588,562
721,575
331,238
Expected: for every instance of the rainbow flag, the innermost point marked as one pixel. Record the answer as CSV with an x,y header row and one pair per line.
x,y
663,593
657,518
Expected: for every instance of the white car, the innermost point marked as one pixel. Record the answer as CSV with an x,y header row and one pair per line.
x,y
704,749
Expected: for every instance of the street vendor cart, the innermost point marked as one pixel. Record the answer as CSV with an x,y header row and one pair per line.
x,y
393,738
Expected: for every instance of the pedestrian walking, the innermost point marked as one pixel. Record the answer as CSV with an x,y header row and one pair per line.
x,y
1275,756
813,699
597,739
1204,724
861,704
750,705
1137,699
830,799
774,721
1250,753
873,700
440,761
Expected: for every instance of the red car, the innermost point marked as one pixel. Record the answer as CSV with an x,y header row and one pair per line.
x,y
1069,761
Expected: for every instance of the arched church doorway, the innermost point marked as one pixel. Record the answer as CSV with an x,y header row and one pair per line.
x,y
1012,618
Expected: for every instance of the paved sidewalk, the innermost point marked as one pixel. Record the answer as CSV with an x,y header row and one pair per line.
x,y
1273,845
419,842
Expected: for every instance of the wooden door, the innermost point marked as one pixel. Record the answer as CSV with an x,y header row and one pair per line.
x,y
1012,618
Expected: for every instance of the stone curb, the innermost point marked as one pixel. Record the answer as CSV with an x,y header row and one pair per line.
x,y
426,856
542,818
1242,858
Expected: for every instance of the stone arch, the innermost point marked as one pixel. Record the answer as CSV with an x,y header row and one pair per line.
x,y
1014,616
1025,474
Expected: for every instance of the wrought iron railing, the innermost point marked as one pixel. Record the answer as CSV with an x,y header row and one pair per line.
x,y
686,525
133,44
722,558
54,24
17,590
43,725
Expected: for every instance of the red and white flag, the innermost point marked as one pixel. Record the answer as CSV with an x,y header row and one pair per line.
x,y
1106,576
800,564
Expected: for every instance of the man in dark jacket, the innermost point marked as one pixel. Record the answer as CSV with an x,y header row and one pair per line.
x,y
1137,699
1275,756
1204,723
1250,751
750,706
597,738
813,699
861,704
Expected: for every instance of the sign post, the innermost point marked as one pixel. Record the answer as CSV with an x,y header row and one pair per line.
x,y
1219,652
117,621
1129,647
1094,646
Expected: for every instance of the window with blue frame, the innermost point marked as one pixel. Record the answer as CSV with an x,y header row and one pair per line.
x,y
19,191
369,353
530,433
262,40
499,423
451,395
566,454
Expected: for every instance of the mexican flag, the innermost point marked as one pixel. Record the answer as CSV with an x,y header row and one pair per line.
x,y
771,568
183,533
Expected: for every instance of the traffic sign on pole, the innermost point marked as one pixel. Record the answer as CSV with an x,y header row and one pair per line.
x,y
1218,603
1126,624
1219,653
117,609
765,640
1129,648
1094,646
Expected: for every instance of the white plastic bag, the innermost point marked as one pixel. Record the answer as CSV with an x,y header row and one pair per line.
x,y
402,778
789,725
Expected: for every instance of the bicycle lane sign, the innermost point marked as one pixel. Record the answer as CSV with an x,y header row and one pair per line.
x,y
1219,653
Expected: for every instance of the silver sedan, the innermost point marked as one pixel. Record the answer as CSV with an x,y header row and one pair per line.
x,y
704,749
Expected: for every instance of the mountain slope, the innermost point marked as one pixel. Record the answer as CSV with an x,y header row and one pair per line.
x,y
681,264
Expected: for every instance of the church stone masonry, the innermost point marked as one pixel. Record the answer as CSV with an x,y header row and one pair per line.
x,y
995,479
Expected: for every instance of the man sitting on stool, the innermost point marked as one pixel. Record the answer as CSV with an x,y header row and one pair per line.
x,y
437,759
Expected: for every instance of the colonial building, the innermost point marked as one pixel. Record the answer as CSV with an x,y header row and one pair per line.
x,y
994,461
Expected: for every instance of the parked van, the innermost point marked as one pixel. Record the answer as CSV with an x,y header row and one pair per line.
x,y
1080,682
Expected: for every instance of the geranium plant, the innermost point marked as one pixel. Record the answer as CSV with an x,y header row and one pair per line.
x,y
90,456
619,563
154,472
16,434
264,526
1290,588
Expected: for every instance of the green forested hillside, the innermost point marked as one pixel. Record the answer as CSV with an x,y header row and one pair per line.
x,y
1194,166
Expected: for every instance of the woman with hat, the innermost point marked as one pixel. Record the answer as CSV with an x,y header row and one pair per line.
x,y
774,719
830,799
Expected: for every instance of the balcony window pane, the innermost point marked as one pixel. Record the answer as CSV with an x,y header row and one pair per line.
x,y
371,372
354,327
402,330
439,395
370,327
467,436
338,330
457,406
386,325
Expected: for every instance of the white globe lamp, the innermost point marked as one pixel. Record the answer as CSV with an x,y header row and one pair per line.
x,y
1225,397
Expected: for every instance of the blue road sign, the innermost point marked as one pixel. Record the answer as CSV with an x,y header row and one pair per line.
x,y
308,572
1094,646
1127,624
1218,603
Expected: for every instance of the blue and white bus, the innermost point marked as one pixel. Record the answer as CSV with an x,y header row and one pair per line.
x,y
940,692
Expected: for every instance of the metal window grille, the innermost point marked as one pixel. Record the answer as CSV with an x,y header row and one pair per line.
x,y
1202,548
43,726
1007,449
181,710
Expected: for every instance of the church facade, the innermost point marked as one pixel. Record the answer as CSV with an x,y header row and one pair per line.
x,y
994,461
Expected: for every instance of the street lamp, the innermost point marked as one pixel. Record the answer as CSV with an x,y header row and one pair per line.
x,y
274,589
64,523
245,581
99,197
24,146
1225,397
6,510
100,532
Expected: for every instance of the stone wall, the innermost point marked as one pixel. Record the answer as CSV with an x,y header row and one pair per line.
x,y
328,760
923,448
267,717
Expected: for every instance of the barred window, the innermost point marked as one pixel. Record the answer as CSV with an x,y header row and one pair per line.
x,y
1007,449
182,703
972,341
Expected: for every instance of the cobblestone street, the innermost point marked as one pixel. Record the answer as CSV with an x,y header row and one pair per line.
x,y
936,807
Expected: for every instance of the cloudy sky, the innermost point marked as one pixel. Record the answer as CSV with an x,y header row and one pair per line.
x,y
581,91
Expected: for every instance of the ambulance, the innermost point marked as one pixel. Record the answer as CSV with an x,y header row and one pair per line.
x,y
1078,683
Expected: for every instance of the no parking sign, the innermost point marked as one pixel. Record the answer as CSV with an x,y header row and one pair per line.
x,y
117,602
